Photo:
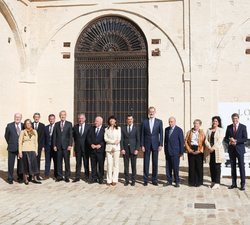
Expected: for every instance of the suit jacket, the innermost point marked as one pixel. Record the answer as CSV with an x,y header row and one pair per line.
x,y
174,146
130,140
40,132
155,139
92,139
218,145
48,140
11,137
63,139
80,141
241,137
110,137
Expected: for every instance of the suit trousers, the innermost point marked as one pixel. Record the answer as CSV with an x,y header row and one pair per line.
x,y
215,169
112,166
146,163
63,154
38,157
195,170
97,164
11,163
172,164
128,155
50,154
82,156
233,155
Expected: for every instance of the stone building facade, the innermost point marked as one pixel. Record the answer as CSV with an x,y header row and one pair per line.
x,y
195,55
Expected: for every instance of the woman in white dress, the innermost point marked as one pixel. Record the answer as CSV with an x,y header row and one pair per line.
x,y
112,138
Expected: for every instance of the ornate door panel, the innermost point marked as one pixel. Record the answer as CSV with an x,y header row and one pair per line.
x,y
111,76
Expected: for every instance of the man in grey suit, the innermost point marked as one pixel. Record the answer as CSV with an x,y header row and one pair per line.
x,y
130,144
62,142
11,136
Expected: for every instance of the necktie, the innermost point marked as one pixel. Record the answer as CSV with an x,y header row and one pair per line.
x,y
81,130
235,130
170,132
17,129
129,129
97,131
62,127
50,134
35,126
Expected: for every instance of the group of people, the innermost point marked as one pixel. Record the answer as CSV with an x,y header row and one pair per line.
x,y
28,140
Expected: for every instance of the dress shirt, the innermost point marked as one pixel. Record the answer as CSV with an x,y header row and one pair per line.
x,y
237,126
195,138
151,123
36,125
98,130
131,127
171,130
51,128
83,127
19,126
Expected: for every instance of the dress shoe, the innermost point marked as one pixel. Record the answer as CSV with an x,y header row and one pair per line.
x,y
39,178
67,180
145,184
93,181
242,188
76,180
46,178
126,183
58,180
197,185
37,182
232,186
11,182
100,181
108,184
133,183
177,185
167,184
20,181
155,184
113,183
26,182
87,180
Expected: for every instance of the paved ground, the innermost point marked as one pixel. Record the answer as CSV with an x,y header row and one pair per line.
x,y
82,203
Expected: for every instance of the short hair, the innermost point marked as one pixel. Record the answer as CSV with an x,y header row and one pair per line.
x,y
129,115
116,124
172,117
18,113
152,107
50,115
217,118
81,114
100,117
62,112
198,120
235,115
27,120
37,114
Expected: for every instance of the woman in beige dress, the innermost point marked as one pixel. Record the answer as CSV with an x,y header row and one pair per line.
x,y
214,152
112,137
28,147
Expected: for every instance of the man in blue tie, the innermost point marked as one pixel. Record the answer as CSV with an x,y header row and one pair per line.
x,y
151,141
174,146
236,136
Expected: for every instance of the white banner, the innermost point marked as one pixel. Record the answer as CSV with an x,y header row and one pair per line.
x,y
226,109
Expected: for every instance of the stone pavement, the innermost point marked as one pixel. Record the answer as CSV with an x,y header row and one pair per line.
x,y
82,203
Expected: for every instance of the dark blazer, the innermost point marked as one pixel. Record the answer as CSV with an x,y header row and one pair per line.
x,y
65,138
156,138
80,141
174,146
92,139
11,137
47,138
241,137
40,132
130,140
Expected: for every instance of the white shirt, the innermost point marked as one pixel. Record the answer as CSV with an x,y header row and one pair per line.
x,y
195,138
131,127
19,126
151,124
237,125
171,130
83,127
99,129
51,128
36,125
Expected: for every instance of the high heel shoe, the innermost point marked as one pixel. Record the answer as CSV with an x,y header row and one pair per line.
x,y
36,182
26,182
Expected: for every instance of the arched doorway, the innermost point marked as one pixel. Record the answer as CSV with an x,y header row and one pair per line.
x,y
111,70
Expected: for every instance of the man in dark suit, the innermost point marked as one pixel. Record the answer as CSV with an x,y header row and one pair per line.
x,y
62,142
151,141
12,132
130,145
96,141
48,147
80,132
174,147
236,136
39,127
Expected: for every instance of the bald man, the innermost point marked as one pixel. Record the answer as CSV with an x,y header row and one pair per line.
x,y
12,132
96,141
174,147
